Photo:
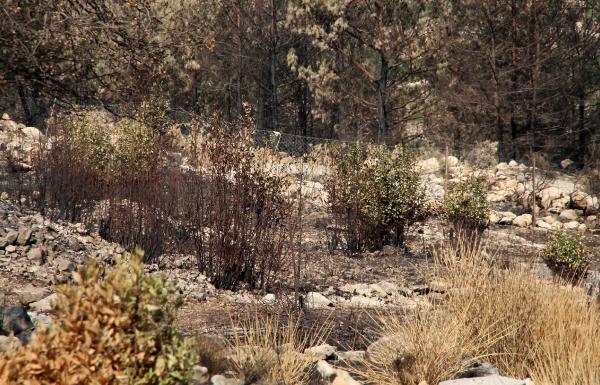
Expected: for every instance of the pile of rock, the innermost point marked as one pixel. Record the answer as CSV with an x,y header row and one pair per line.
x,y
560,203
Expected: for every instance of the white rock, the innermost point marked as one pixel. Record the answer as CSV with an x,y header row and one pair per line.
x,y
219,379
315,300
452,161
321,352
32,133
494,217
429,166
543,224
44,305
582,227
524,220
343,378
548,195
326,371
570,215
507,218
571,225
513,163
269,299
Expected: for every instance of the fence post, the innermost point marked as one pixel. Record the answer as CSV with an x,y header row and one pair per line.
x,y
533,192
446,172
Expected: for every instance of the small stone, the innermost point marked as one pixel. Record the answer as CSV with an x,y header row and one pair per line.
x,y
36,254
219,379
63,264
269,299
24,236
565,163
11,248
5,116
513,163
74,244
12,236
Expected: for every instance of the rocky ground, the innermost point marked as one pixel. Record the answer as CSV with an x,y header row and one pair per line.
x,y
36,254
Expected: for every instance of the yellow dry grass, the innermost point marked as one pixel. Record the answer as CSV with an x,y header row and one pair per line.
x,y
547,331
270,349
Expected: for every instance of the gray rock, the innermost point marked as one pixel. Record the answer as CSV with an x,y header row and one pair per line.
x,y
24,236
30,293
36,254
63,264
487,380
479,369
15,320
352,355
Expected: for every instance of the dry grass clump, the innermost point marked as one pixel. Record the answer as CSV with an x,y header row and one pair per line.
x,y
550,331
429,346
269,349
547,331
113,327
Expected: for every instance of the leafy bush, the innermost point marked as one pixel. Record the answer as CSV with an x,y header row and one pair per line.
x,y
466,207
113,327
377,194
109,149
566,255
226,208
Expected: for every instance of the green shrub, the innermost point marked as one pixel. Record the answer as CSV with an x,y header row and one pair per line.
x,y
566,255
113,327
106,148
377,193
467,209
